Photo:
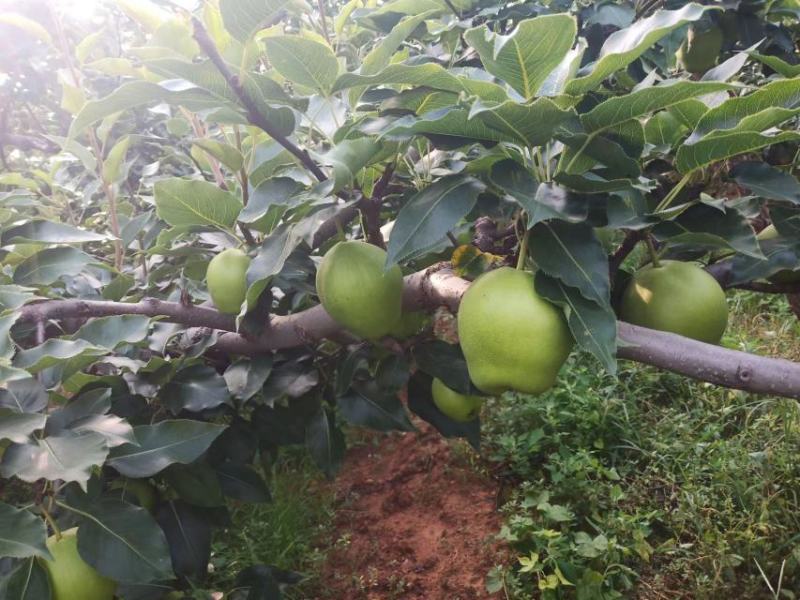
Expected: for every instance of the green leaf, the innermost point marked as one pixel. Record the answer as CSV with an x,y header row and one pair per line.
x,y
188,531
572,253
540,201
428,215
242,482
379,57
325,442
24,395
197,484
246,376
110,332
122,541
778,65
22,534
366,405
49,232
348,157
270,193
711,227
68,457
148,15
195,388
243,18
28,581
594,326
428,75
303,61
50,264
663,130
526,56
262,90
115,158
526,124
224,153
191,202
114,429
718,147
163,444
27,25
766,107
55,351
642,102
272,255
17,426
7,345
127,96
14,296
767,181
93,402
586,149
626,45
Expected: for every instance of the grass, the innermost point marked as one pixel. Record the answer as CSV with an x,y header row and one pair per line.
x,y
652,486
285,533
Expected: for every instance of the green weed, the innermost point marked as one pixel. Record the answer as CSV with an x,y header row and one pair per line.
x,y
649,485
286,532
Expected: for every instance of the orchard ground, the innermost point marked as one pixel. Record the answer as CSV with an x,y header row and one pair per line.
x,y
664,487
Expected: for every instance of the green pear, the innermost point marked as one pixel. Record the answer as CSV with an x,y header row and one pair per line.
x,y
357,291
227,280
699,51
454,405
680,297
70,577
511,337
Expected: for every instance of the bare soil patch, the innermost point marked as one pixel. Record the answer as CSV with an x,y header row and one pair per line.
x,y
414,521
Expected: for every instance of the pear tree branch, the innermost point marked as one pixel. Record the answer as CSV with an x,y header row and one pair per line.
x,y
438,286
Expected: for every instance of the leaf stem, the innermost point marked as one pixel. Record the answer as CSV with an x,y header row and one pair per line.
x,y
673,193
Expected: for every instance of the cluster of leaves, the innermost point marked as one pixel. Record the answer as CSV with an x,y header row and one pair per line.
x,y
427,114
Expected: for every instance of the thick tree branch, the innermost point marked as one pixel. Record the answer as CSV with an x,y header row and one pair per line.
x,y
437,286
254,114
193,316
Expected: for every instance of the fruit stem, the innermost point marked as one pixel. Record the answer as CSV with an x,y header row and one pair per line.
x,y
51,521
523,251
651,248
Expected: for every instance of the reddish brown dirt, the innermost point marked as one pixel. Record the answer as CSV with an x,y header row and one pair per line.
x,y
414,521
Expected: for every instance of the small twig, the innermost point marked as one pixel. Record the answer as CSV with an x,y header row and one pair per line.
x,y
452,8
371,208
254,114
632,238
453,239
324,19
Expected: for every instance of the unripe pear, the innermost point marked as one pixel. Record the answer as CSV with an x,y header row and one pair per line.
x,y
512,338
227,280
356,290
679,297
70,577
699,51
454,405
